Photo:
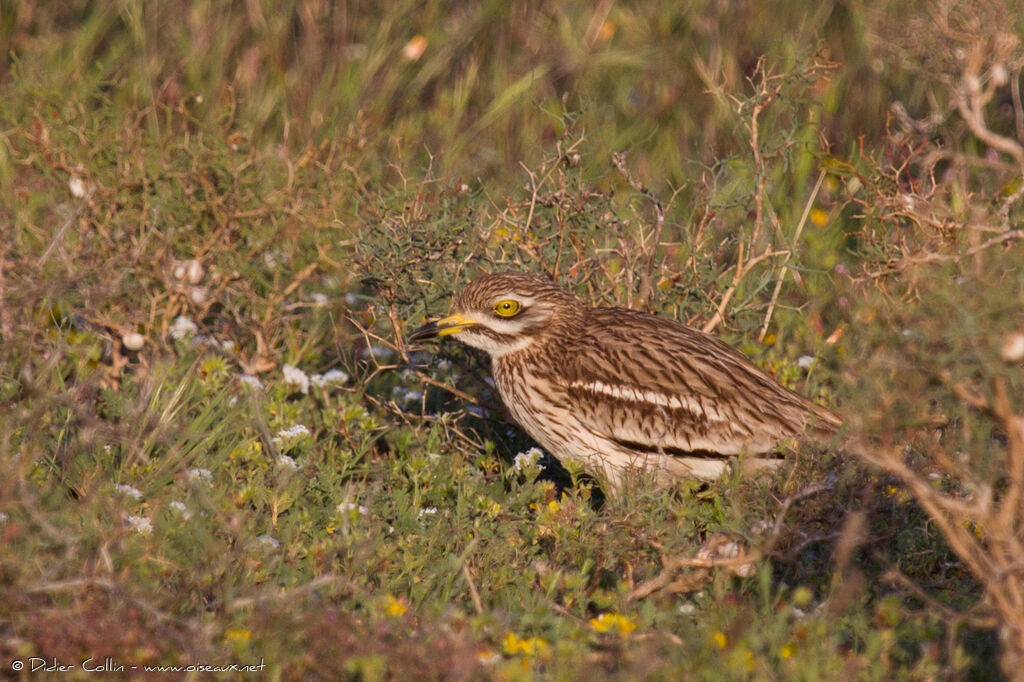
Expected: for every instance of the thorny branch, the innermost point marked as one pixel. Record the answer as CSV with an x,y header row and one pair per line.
x,y
984,529
721,551
649,246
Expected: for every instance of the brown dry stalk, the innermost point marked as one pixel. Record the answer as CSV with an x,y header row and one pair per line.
x,y
985,531
742,268
789,254
649,247
709,557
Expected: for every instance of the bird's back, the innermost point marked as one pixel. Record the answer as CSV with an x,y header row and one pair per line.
x,y
659,385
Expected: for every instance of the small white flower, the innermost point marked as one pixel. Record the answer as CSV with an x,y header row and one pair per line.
x,y
269,541
3,517
426,511
318,298
297,431
141,524
76,187
286,462
1000,76
1013,347
331,376
182,327
687,609
805,361
349,507
180,508
525,460
198,295
379,352
270,258
294,375
133,340
745,570
128,490
198,474
406,396
351,298
227,345
250,380
434,456
729,550
194,271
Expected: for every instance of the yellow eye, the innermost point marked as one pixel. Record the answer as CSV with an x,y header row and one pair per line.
x,y
506,308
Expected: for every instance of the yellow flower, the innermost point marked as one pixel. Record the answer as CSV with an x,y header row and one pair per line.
x,y
238,635
720,639
974,528
613,622
396,607
819,217
802,596
788,649
530,646
553,506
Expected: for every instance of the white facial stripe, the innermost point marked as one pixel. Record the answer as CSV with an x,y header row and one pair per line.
x,y
504,325
491,346
676,402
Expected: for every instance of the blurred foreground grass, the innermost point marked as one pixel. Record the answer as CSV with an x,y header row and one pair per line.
x,y
218,220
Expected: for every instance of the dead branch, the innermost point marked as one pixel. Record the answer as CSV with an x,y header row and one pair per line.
x,y
720,551
789,255
650,247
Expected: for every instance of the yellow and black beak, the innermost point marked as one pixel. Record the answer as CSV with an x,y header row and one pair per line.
x,y
452,324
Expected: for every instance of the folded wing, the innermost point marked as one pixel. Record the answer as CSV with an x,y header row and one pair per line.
x,y
659,386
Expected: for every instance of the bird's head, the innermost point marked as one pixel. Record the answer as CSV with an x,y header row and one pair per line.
x,y
505,312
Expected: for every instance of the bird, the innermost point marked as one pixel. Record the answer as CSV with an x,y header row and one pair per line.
x,y
619,391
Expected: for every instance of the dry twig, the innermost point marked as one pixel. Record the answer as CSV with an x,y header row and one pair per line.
x,y
720,551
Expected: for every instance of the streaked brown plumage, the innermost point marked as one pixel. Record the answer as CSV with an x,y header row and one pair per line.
x,y
616,389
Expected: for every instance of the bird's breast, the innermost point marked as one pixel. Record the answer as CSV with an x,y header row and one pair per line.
x,y
535,400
